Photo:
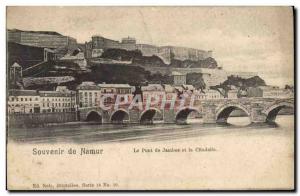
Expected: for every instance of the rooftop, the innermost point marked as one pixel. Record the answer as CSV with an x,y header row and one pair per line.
x,y
188,87
55,94
93,86
114,85
153,87
128,39
269,87
22,93
16,65
169,88
37,32
176,73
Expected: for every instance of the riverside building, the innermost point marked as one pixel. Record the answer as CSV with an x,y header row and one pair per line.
x,y
60,100
32,101
90,94
23,101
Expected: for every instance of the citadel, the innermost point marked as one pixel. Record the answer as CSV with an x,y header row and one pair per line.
x,y
98,44
60,44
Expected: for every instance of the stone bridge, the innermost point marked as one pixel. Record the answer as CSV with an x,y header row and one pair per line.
x,y
259,110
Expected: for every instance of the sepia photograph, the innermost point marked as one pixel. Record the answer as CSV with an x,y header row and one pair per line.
x,y
150,98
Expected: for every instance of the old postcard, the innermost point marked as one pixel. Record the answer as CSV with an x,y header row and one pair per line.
x,y
150,98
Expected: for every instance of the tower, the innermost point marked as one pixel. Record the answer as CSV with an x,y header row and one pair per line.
x,y
16,74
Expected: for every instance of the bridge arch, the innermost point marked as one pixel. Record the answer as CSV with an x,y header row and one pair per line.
x,y
94,116
147,115
224,111
118,116
182,114
272,111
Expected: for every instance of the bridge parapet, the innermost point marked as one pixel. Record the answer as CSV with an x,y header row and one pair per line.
x,y
213,111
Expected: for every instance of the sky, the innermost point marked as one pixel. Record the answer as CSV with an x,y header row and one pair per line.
x,y
254,39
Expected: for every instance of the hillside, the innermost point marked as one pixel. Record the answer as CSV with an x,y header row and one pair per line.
x,y
206,63
108,73
132,75
137,58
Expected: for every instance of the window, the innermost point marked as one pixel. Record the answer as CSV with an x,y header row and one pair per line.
x,y
21,99
25,99
109,100
30,99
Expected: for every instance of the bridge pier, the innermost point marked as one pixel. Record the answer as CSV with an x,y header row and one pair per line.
x,y
134,116
82,116
105,117
209,114
169,116
256,114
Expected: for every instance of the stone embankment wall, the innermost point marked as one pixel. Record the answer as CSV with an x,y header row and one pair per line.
x,y
40,119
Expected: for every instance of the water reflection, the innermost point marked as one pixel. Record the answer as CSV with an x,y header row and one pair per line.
x,y
89,133
239,121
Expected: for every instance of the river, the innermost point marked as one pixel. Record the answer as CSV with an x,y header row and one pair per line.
x,y
242,156
284,126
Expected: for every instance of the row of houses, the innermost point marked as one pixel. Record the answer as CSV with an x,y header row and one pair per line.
x,y
32,101
89,94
